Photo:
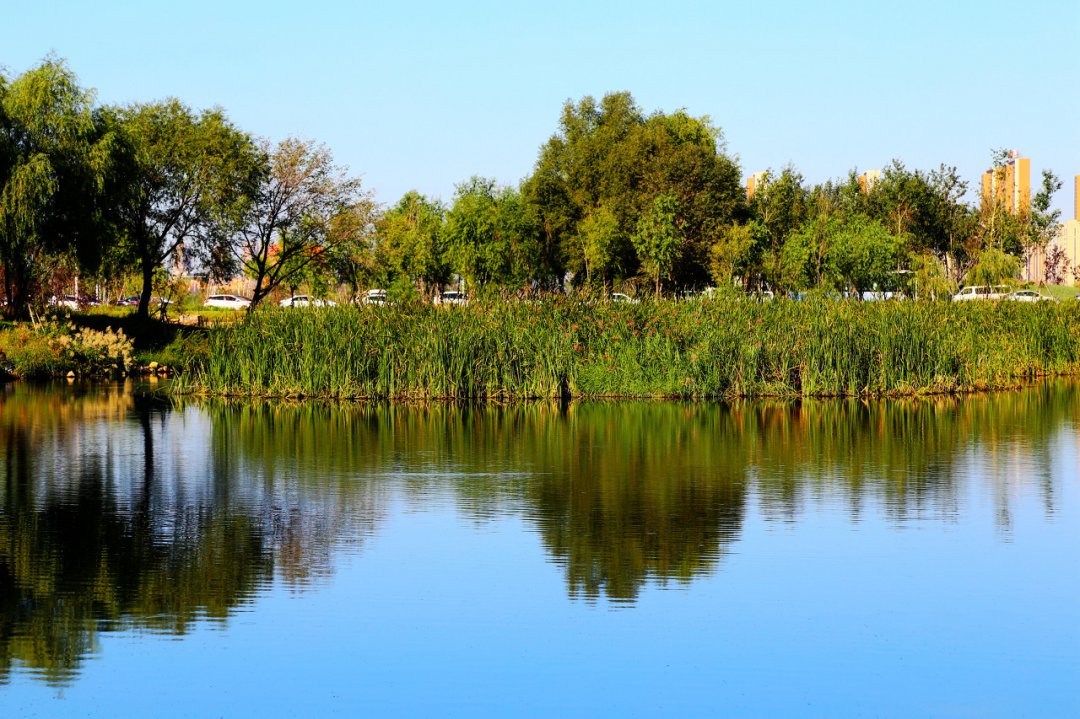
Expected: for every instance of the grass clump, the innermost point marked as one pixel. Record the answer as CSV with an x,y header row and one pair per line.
x,y
55,347
559,347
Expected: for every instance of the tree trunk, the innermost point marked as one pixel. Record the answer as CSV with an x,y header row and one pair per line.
x,y
147,288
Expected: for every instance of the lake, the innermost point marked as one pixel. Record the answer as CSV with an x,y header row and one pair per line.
x,y
824,559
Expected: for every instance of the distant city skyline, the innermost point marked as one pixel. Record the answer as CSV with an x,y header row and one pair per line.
x,y
425,96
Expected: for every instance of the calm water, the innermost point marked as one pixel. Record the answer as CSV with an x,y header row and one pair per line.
x,y
817,559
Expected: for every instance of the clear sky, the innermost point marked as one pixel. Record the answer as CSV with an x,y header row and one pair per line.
x,y
422,95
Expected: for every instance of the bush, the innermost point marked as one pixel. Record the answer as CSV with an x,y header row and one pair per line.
x,y
55,347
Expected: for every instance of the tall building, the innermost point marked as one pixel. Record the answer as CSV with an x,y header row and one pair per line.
x,y
1009,185
753,182
868,179
1069,239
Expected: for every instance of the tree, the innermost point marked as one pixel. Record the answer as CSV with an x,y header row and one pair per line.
x,y
1044,226
777,209
994,267
59,167
600,237
610,160
929,278
411,241
865,255
490,236
657,239
192,174
731,252
301,210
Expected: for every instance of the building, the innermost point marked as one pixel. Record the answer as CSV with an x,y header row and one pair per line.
x,y
753,182
868,179
1009,185
1069,238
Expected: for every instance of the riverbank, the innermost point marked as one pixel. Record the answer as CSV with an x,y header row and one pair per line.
x,y
727,348
96,345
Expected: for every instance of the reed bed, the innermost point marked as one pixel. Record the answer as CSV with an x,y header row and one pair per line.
x,y
560,347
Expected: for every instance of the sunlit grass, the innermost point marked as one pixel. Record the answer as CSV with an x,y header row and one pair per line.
x,y
564,348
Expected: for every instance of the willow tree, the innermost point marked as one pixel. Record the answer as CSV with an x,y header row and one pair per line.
x,y
412,242
59,165
192,173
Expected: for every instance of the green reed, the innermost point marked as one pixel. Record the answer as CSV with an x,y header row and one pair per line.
x,y
560,347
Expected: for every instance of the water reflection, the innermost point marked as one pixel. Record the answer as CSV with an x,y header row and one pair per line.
x,y
121,511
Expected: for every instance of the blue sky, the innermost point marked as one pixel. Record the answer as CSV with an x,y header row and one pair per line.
x,y
423,95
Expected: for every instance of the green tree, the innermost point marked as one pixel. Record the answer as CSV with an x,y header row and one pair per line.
x,y
411,242
994,267
600,237
865,255
301,211
490,236
1044,225
612,155
658,237
731,253
778,208
60,164
193,172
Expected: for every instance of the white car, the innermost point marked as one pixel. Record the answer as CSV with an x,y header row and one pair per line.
x,y
374,297
967,294
451,298
305,301
1029,296
229,302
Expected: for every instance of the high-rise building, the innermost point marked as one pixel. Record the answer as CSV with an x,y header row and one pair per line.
x,y
1009,185
753,182
1069,239
868,179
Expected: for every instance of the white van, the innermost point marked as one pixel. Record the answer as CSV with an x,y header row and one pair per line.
x,y
976,292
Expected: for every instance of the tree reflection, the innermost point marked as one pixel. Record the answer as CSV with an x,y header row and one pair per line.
x,y
121,511
111,519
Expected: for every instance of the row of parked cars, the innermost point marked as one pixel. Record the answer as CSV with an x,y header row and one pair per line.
x,y
1000,292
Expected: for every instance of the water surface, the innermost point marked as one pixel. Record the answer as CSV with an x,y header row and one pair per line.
x,y
912,558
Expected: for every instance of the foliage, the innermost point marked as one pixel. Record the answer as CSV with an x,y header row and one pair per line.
x,y
489,235
58,163
301,209
994,267
658,238
190,175
929,281
54,347
610,160
144,192
412,244
730,254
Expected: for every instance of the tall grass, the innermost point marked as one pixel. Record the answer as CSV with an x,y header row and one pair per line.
x,y
560,347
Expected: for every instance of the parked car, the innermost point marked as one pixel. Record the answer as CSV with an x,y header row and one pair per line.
x,y
73,302
132,301
305,301
451,298
977,292
1028,296
229,302
879,295
373,297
